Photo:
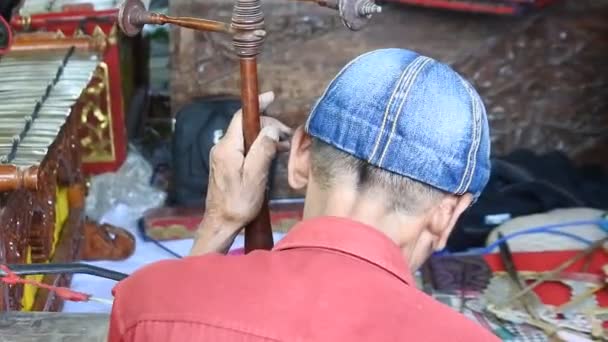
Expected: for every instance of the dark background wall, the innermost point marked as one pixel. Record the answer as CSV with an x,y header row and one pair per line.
x,y
543,76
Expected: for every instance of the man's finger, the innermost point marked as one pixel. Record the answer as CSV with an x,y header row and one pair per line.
x,y
235,129
260,156
283,130
265,100
284,146
270,121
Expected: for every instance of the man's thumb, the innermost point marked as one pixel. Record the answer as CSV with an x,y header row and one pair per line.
x,y
265,100
262,152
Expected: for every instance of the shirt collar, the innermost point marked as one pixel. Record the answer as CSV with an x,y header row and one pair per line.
x,y
349,237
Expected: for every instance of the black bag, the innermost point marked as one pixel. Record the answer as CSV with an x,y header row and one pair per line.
x,y
7,9
198,126
524,183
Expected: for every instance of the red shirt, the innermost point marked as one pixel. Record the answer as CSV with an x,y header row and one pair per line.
x,y
329,279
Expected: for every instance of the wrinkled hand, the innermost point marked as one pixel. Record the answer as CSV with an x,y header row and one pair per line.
x,y
237,183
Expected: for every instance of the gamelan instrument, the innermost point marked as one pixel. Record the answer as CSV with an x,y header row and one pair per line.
x,y
67,16
105,141
42,94
247,30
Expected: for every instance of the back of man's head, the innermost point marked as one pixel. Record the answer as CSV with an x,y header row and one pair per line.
x,y
403,125
330,166
403,122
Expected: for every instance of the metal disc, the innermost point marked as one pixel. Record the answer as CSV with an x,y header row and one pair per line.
x,y
349,12
129,9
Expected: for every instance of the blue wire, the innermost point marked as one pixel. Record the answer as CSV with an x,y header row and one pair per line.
x,y
497,243
548,229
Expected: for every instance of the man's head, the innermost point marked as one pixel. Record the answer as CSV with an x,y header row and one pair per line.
x,y
398,141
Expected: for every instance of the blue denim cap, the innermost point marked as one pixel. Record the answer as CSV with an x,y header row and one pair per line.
x,y
410,115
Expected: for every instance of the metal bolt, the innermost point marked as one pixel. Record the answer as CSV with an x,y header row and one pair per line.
x,y
368,8
259,33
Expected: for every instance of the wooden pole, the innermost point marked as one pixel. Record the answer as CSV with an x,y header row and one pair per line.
x,y
248,24
247,30
258,234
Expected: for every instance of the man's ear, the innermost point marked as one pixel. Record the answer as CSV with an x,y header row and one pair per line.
x,y
444,217
298,167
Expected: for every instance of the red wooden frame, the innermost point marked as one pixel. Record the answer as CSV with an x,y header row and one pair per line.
x,y
512,7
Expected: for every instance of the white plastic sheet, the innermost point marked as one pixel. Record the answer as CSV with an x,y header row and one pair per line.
x,y
130,186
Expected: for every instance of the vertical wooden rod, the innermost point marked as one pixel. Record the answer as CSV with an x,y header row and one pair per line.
x,y
258,233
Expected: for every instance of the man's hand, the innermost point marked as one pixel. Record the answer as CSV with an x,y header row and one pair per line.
x,y
237,183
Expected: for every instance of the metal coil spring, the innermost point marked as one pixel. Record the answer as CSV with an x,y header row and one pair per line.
x,y
247,15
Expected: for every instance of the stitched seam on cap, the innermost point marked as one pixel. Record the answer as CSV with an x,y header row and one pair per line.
x,y
402,79
477,141
386,110
406,93
468,171
312,112
397,93
403,95
459,189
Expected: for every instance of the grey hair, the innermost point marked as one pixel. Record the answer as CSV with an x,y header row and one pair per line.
x,y
402,193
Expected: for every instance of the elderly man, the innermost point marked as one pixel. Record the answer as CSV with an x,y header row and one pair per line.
x,y
391,155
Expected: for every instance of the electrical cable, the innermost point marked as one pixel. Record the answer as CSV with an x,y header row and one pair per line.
x,y
163,247
550,229
71,268
142,230
539,230
12,277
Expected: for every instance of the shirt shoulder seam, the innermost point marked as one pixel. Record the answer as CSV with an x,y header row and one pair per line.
x,y
337,251
181,320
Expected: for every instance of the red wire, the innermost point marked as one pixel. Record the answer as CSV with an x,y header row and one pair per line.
x,y
63,292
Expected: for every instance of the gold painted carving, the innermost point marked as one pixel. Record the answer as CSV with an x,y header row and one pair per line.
x,y
113,35
96,119
26,22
